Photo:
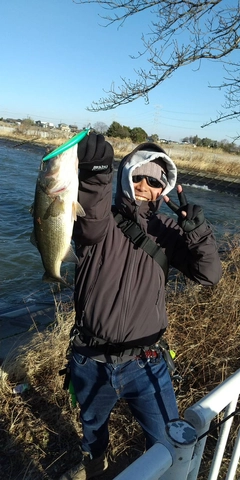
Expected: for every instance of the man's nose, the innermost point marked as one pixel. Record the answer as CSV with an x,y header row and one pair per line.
x,y
143,184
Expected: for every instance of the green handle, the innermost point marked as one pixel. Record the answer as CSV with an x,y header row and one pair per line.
x,y
65,146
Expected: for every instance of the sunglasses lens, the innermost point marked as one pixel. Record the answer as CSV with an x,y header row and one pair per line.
x,y
137,178
151,181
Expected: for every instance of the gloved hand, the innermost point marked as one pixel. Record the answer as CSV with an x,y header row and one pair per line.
x,y
94,153
189,216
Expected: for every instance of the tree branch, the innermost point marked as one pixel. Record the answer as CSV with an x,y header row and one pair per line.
x,y
211,31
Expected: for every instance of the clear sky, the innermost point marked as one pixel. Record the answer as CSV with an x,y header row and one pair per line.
x,y
56,59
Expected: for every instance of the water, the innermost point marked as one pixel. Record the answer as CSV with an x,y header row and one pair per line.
x,y
21,266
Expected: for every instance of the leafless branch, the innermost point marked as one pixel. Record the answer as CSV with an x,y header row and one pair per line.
x,y
212,32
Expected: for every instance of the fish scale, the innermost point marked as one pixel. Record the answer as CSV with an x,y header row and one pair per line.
x,y
55,208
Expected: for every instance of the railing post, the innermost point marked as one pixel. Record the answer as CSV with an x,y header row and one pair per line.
x,y
201,413
168,461
183,437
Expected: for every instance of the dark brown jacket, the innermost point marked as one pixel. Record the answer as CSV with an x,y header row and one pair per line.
x,y
120,290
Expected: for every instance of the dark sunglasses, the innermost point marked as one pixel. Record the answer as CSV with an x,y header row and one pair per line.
x,y
151,181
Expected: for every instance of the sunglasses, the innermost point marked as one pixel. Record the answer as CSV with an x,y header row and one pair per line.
x,y
151,181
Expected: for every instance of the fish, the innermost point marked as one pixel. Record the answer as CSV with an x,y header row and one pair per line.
x,y
54,211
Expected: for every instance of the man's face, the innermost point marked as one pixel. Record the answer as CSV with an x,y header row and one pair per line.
x,y
144,192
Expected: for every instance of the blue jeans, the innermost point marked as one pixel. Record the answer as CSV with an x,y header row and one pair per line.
x,y
146,387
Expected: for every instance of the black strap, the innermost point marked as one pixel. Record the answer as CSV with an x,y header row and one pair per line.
x,y
134,232
106,348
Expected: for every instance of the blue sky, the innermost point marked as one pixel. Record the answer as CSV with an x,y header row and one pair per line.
x,y
56,59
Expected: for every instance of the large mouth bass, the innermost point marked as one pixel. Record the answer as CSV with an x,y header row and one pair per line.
x,y
54,210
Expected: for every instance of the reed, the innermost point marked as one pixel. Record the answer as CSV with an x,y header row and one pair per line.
x,y
40,429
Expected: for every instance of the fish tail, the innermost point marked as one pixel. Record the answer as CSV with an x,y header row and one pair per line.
x,y
50,279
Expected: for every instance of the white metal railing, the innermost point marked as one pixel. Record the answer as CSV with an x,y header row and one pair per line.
x,y
200,415
181,454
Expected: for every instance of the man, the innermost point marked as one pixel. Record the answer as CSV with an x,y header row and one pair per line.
x,y
120,290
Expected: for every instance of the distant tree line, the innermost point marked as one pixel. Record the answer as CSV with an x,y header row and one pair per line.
x,y
208,142
138,135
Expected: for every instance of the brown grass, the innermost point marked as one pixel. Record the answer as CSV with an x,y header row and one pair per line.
x,y
40,430
205,160
198,160
186,157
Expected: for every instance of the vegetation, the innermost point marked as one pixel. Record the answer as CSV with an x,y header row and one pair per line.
x,y
40,429
208,142
136,134
115,130
177,34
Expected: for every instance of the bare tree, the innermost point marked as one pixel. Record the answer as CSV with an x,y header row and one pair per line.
x,y
231,83
211,31
100,127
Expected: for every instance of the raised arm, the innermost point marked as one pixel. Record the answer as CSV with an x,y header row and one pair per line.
x,y
95,189
197,255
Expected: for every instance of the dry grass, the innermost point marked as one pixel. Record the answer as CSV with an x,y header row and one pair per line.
x,y
205,160
190,159
40,430
18,135
186,157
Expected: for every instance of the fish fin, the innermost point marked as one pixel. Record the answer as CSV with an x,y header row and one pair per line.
x,y
55,208
80,210
77,210
33,239
47,278
31,209
70,256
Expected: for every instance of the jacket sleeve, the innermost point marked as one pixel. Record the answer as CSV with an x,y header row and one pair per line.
x,y
95,196
195,254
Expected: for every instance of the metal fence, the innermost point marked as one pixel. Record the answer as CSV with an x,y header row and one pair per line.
x,y
179,458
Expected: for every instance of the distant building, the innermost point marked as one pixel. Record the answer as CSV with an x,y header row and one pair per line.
x,y
10,120
64,127
39,123
73,128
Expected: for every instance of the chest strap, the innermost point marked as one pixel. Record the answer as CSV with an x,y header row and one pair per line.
x,y
141,240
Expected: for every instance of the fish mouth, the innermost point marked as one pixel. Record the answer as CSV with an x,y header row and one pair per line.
x,y
57,192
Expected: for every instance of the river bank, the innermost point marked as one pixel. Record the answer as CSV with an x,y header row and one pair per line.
x,y
39,428
214,169
25,301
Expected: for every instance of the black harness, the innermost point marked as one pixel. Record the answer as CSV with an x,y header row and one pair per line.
x,y
136,235
140,239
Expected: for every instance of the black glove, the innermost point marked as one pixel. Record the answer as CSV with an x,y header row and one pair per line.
x,y
195,216
94,153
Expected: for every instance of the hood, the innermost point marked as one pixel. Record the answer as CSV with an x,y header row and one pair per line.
x,y
144,153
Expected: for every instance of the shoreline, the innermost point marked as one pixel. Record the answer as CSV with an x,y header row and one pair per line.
x,y
229,185
214,181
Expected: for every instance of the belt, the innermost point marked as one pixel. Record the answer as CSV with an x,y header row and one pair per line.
x,y
106,348
117,349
